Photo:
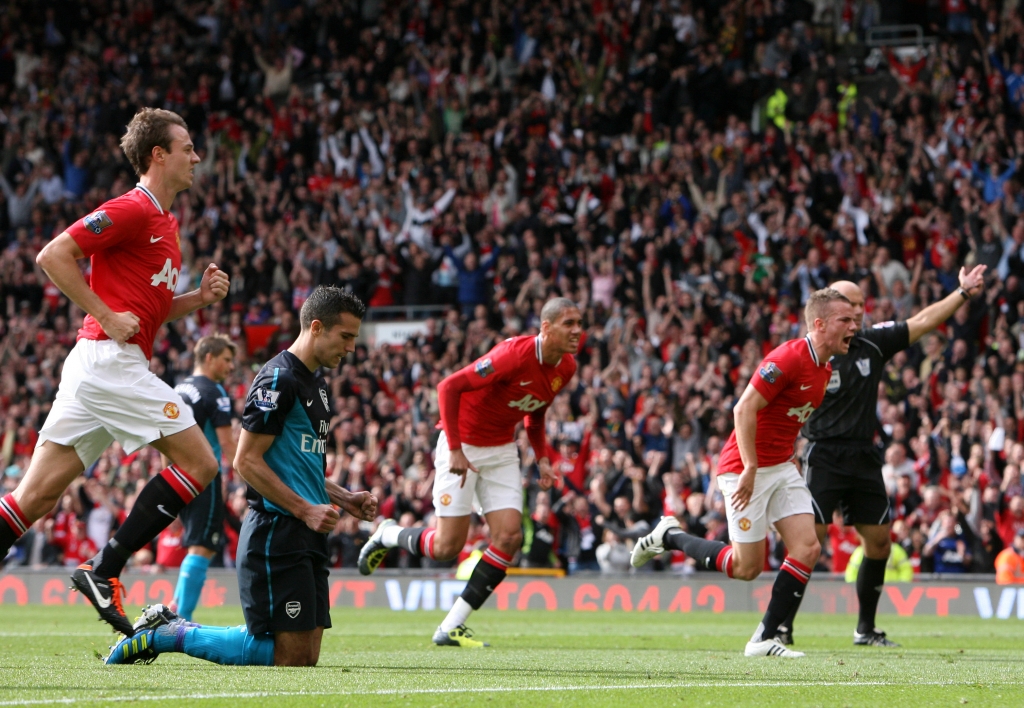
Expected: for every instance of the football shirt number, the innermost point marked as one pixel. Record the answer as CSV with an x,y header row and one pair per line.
x,y
168,276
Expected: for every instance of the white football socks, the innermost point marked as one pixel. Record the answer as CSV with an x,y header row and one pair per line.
x,y
389,537
457,615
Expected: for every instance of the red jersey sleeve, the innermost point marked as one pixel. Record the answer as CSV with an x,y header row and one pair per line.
x,y
498,365
770,378
117,221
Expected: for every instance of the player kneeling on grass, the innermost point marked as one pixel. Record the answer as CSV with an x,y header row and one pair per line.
x,y
757,476
480,407
282,548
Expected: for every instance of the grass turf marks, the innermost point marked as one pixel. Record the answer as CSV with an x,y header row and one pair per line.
x,y
537,658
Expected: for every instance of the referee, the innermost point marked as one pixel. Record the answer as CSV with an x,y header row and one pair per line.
x,y
842,464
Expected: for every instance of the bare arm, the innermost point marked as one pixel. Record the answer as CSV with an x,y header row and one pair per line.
x,y
213,287
251,466
228,444
361,505
59,260
745,416
932,316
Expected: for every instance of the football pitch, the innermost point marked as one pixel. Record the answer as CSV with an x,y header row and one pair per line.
x,y
385,658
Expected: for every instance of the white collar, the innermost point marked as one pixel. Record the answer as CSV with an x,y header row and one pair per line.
x,y
151,197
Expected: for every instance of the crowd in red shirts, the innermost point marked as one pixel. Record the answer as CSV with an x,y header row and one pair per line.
x,y
480,157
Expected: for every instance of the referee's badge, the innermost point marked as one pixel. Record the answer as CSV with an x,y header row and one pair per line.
x,y
833,383
864,366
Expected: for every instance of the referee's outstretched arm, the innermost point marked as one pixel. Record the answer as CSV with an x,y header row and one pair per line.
x,y
935,314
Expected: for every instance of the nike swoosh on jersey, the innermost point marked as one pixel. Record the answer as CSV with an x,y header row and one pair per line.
x,y
162,510
309,403
804,388
103,602
154,239
525,383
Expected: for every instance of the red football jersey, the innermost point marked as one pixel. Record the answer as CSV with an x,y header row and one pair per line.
x,y
518,384
792,379
135,253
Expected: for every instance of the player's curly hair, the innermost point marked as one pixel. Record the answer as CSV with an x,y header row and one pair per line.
x,y
820,302
149,128
327,304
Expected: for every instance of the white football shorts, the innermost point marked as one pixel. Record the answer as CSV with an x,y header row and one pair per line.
x,y
779,491
497,485
107,393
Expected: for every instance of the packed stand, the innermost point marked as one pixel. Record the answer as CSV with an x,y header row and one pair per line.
x,y
688,172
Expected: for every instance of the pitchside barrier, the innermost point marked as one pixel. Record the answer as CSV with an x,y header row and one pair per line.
x,y
929,596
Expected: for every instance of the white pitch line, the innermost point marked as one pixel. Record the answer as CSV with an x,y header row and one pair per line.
x,y
506,689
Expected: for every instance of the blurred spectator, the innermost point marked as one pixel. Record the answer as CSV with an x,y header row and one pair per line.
x,y
898,568
1010,562
687,174
843,542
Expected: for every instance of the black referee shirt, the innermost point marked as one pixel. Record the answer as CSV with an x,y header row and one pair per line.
x,y
848,411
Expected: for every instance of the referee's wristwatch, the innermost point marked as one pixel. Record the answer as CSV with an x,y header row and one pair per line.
x,y
963,293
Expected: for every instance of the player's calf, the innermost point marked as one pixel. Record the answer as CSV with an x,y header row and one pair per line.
x,y
487,575
157,505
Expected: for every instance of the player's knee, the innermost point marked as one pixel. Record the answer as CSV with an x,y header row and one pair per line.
x,y
36,503
295,658
749,571
808,553
509,541
206,469
877,548
446,548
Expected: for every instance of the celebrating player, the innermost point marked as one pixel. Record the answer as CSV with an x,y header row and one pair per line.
x,y
842,464
756,473
480,406
107,391
282,548
203,519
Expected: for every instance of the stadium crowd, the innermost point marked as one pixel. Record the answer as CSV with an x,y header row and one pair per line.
x,y
688,172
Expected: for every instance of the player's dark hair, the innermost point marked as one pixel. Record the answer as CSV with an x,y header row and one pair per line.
x,y
820,302
327,304
151,127
554,308
213,345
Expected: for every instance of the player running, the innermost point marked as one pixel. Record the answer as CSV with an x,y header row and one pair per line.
x,y
842,465
282,548
756,473
203,519
476,458
107,391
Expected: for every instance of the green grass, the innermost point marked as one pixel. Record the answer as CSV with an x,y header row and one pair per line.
x,y
385,658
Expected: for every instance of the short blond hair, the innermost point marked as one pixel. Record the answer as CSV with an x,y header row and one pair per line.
x,y
819,304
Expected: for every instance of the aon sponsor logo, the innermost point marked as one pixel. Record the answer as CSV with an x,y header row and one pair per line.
x,y
168,276
527,404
